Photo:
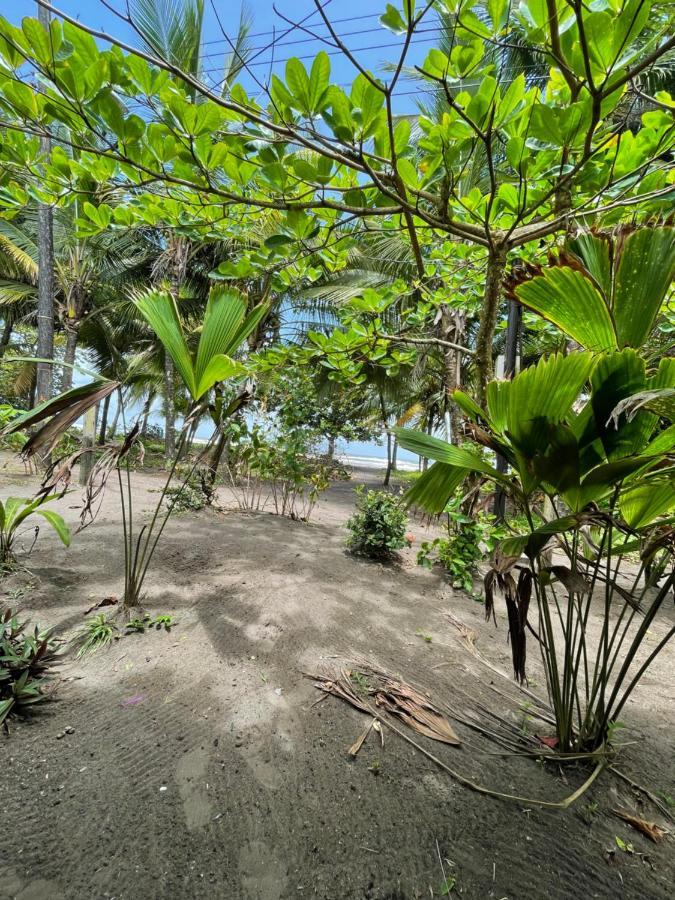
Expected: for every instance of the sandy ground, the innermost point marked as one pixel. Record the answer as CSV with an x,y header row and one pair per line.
x,y
221,779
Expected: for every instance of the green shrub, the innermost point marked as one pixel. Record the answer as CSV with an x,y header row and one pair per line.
x,y
469,540
378,526
25,658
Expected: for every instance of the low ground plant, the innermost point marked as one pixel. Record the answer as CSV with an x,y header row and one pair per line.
x,y
378,527
14,513
26,656
468,541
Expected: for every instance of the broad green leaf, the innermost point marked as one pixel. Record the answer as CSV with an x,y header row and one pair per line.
x,y
643,277
543,395
435,487
297,80
159,310
570,300
224,314
219,368
57,523
434,448
642,504
603,479
594,250
318,82
616,377
536,540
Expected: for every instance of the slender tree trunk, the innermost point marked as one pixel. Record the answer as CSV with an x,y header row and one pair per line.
x,y
118,410
6,334
169,409
69,357
331,447
429,430
104,420
45,308
146,414
387,474
394,454
488,317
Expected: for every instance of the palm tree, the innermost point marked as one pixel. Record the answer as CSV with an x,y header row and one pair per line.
x,y
45,276
88,273
173,31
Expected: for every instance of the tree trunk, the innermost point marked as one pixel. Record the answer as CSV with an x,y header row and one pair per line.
x,y
69,357
394,454
331,447
45,307
6,334
118,410
146,414
387,474
451,330
488,317
104,419
169,409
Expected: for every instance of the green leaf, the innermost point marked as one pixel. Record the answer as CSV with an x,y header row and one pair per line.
x,y
642,504
57,523
434,448
543,395
224,314
393,20
643,277
617,376
319,81
219,368
159,310
298,83
594,250
432,490
569,299
536,540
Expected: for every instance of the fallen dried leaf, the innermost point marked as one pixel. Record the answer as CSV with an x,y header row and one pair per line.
x,y
358,743
107,601
653,831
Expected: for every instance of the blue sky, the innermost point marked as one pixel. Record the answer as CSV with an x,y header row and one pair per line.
x,y
355,20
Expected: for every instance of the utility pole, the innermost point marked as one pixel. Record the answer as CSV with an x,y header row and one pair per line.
x,y
510,362
45,307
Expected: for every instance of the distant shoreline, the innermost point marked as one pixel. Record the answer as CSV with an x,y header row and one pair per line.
x,y
375,462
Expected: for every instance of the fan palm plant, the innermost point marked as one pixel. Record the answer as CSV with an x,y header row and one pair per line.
x,y
223,330
583,431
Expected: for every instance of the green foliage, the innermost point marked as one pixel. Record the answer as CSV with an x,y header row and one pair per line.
x,y
469,540
195,492
590,292
378,526
95,634
14,512
225,326
277,467
25,658
607,473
